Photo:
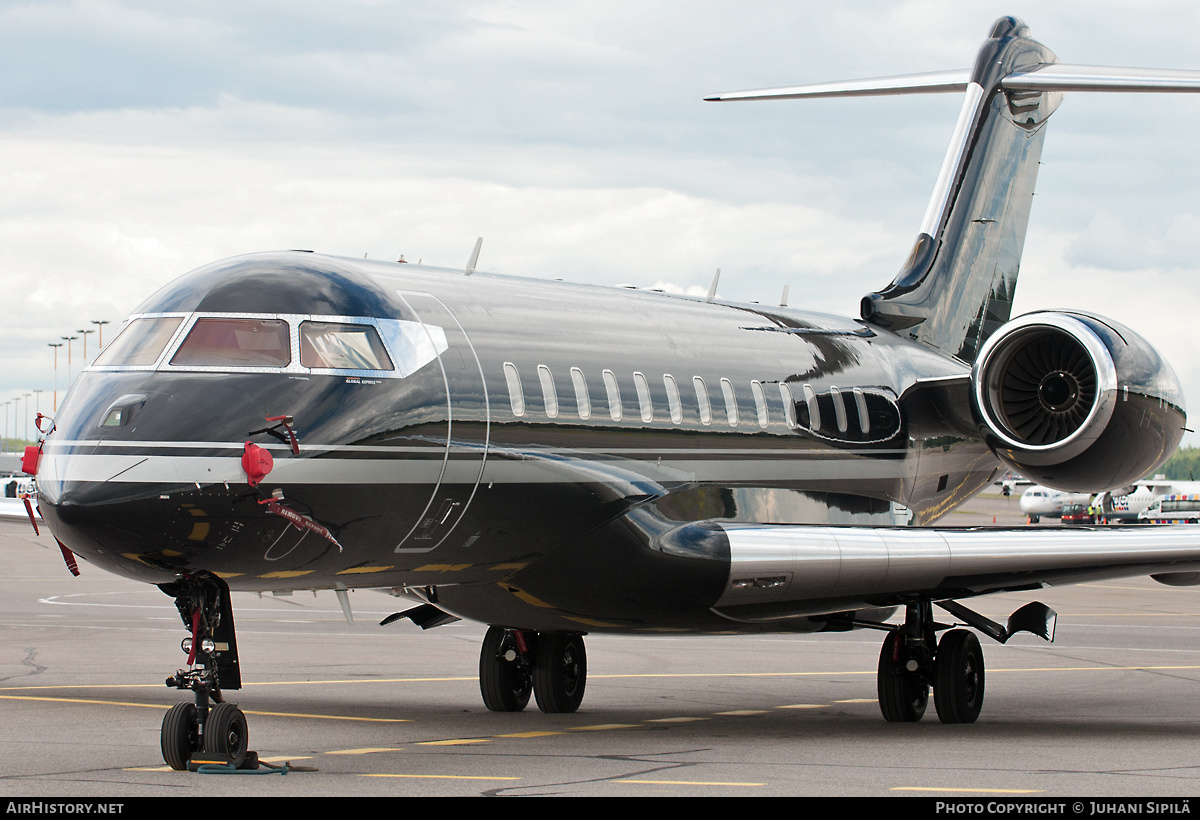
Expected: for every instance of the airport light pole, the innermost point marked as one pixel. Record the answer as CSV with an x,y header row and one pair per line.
x,y
56,346
3,448
85,333
26,436
100,339
68,340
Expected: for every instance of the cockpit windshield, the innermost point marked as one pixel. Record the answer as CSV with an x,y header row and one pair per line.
x,y
140,343
282,343
237,342
342,346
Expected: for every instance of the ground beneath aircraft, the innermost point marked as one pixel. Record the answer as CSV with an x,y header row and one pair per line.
x,y
1110,708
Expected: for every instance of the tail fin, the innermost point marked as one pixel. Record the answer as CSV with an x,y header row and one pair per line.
x,y
958,284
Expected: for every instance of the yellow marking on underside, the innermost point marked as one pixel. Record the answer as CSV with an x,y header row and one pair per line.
x,y
441,776
171,554
858,700
532,734
590,622
970,791
361,751
600,727
464,741
688,783
506,567
199,531
225,574
284,573
194,511
526,597
443,568
354,570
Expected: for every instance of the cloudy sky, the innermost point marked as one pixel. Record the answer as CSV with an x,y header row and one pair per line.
x,y
140,139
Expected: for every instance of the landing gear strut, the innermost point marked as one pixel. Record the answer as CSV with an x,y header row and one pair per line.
x,y
912,660
191,729
550,665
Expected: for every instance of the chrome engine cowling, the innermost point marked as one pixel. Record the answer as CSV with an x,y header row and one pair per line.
x,y
1075,401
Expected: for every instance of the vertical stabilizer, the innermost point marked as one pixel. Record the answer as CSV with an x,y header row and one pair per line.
x,y
959,281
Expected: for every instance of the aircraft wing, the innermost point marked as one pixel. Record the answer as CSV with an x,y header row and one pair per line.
x,y
787,571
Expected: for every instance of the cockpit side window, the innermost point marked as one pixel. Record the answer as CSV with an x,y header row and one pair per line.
x,y
140,343
235,342
342,347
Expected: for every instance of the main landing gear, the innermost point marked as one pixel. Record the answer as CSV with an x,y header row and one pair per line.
x,y
514,663
912,660
194,731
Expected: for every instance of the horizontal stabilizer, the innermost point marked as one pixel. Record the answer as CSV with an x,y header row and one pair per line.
x,y
1061,77
934,82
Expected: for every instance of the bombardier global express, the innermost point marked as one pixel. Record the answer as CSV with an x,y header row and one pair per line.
x,y
555,459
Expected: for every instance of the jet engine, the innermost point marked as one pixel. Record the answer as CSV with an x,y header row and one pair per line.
x,y
1075,401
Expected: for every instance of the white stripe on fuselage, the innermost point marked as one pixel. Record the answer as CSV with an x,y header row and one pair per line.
x,y
506,466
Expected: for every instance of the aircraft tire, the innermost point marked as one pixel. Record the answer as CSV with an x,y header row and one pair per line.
x,y
559,672
505,685
958,677
225,733
903,695
178,737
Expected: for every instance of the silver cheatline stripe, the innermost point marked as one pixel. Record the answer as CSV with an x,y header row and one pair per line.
x,y
770,563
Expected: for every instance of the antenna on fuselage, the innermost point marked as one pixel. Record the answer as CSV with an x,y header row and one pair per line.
x,y
712,289
783,298
474,256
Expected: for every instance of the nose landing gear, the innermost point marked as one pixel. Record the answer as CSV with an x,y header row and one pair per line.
x,y
193,732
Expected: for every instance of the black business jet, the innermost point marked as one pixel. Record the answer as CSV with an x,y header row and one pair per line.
x,y
555,459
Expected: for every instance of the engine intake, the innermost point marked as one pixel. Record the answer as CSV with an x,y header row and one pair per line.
x,y
1076,402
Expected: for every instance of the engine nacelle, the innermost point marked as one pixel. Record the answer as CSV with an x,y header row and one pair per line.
x,y
1076,402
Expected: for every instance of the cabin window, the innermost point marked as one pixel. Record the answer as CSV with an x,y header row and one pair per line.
x,y
582,400
235,343
673,398
614,395
839,410
643,394
789,404
760,404
141,342
341,346
730,402
814,409
548,393
516,396
864,419
702,400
